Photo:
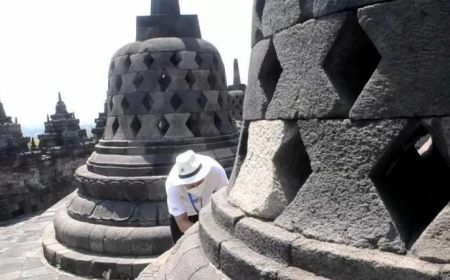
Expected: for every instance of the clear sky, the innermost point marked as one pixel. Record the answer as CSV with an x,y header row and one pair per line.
x,y
49,46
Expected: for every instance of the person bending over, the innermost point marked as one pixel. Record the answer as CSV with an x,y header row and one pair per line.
x,y
189,186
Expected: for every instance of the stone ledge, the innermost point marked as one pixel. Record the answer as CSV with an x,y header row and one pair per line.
x,y
211,236
240,262
87,264
335,261
266,239
224,214
117,240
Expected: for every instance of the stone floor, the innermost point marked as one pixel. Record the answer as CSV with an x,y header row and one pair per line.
x,y
21,254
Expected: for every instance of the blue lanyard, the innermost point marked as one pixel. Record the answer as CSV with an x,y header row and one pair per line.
x,y
193,204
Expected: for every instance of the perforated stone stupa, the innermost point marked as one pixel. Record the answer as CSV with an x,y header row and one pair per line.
x,y
12,141
167,94
343,169
236,92
62,129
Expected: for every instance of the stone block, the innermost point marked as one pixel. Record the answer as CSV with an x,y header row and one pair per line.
x,y
150,241
325,64
257,13
225,215
276,153
211,236
279,15
339,202
434,243
255,101
265,238
241,153
118,240
326,7
400,86
293,273
239,262
349,263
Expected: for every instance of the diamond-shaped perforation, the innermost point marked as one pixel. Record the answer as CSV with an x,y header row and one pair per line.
x,y
135,125
111,104
413,180
115,126
212,80
351,61
164,81
175,59
218,122
198,59
202,101
138,80
118,83
259,8
220,100
147,102
148,60
127,62
124,104
270,73
176,102
190,79
163,125
194,124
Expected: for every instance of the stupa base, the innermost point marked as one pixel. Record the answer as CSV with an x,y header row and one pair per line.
x,y
88,264
246,248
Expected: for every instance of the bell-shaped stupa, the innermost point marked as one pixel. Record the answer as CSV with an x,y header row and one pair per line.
x,y
344,160
167,94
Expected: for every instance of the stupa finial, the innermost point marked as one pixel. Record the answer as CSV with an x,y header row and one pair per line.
x,y
165,7
237,75
59,97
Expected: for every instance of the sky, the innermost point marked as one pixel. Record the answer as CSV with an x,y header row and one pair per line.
x,y
51,46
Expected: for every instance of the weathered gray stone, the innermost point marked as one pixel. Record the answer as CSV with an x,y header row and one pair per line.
x,y
211,236
257,12
434,243
339,202
292,273
400,86
325,7
348,263
224,214
267,239
255,101
277,155
278,15
304,90
239,262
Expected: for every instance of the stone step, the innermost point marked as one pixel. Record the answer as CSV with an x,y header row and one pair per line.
x,y
86,264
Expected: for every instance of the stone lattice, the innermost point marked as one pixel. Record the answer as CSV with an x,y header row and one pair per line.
x,y
167,94
236,93
343,167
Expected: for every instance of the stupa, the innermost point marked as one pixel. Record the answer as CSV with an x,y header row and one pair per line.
x,y
100,124
167,94
12,141
344,166
62,129
236,92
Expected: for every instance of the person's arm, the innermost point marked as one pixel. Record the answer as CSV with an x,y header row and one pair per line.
x,y
183,222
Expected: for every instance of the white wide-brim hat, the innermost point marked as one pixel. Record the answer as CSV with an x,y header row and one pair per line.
x,y
189,168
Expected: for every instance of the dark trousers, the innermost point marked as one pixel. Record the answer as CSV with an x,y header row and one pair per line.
x,y
176,232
